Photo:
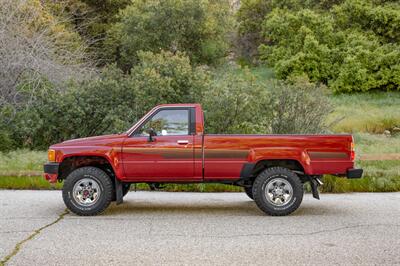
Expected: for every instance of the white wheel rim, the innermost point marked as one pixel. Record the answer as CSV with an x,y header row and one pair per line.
x,y
86,192
278,191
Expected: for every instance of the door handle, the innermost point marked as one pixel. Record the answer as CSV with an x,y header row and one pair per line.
x,y
182,142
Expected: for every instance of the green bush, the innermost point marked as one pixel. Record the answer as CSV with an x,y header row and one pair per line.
x,y
167,78
241,104
382,17
349,45
234,103
6,143
109,103
97,106
300,44
250,17
298,108
198,28
113,101
366,64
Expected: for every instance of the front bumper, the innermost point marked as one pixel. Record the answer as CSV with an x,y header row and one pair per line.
x,y
51,171
354,173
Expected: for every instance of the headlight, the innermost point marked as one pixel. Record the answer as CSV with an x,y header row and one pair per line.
x,y
51,155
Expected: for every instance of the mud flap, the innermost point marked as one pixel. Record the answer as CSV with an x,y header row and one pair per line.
x,y
118,191
315,182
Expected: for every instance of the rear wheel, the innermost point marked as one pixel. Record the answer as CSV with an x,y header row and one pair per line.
x,y
249,192
87,191
278,191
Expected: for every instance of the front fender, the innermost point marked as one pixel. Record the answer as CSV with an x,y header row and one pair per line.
x,y
110,154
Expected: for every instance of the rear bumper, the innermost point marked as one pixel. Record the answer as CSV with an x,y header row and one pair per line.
x,y
354,173
51,172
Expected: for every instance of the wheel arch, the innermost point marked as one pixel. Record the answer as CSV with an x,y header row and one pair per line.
x,y
70,163
291,164
251,170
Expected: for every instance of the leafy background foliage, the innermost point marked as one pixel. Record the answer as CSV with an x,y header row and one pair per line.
x,y
257,66
349,45
196,27
77,68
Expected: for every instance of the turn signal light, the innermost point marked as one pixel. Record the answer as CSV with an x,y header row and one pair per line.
x,y
51,155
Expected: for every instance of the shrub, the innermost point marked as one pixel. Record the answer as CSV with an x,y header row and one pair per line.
x,y
234,103
167,78
35,43
6,142
197,28
250,17
98,106
239,104
366,64
349,45
298,108
109,103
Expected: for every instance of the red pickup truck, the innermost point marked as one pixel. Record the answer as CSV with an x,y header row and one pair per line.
x,y
168,145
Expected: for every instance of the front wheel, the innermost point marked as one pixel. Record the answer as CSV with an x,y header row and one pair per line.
x,y
87,191
278,191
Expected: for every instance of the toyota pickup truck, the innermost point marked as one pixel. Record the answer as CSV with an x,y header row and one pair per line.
x,y
168,145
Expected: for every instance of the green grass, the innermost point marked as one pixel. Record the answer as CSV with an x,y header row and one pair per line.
x,y
376,144
366,112
26,182
379,176
262,73
22,162
38,182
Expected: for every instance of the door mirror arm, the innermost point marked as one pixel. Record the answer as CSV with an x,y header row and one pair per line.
x,y
152,134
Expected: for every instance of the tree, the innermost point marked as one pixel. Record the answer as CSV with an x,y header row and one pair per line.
x,y
197,28
167,78
235,103
250,17
108,103
35,45
92,19
350,47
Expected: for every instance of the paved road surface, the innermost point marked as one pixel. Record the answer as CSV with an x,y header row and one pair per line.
x,y
200,229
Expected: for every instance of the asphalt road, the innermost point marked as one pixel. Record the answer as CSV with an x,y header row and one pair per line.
x,y
156,228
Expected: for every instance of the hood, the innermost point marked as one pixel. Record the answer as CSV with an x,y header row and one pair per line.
x,y
88,140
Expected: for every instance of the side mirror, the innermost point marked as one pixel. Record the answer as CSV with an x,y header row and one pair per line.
x,y
151,133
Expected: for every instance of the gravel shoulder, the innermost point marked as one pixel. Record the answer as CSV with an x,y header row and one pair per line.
x,y
200,228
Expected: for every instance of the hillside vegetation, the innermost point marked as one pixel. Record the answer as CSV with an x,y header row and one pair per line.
x,y
77,68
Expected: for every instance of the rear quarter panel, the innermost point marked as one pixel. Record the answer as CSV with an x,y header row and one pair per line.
x,y
224,155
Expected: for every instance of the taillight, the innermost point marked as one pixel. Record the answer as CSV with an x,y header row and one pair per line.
x,y
352,151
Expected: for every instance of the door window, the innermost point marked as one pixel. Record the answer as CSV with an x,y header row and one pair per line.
x,y
170,122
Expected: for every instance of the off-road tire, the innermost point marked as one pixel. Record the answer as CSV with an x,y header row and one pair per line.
x,y
105,185
259,187
249,192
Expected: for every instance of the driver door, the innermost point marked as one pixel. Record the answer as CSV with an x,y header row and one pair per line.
x,y
167,156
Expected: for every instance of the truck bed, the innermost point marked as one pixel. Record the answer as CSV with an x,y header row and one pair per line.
x,y
224,155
